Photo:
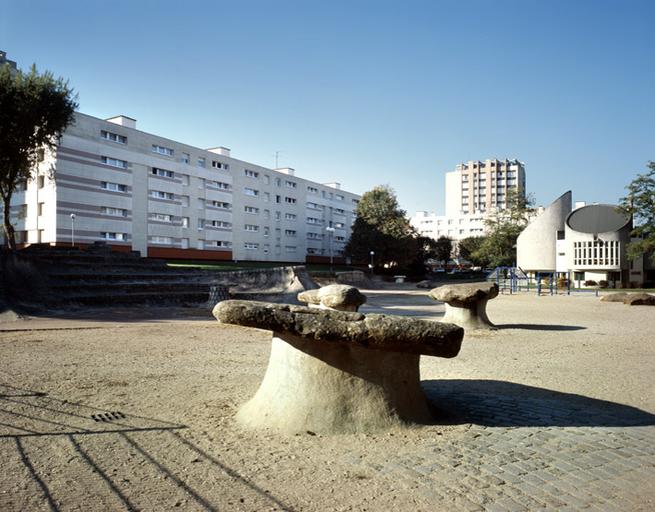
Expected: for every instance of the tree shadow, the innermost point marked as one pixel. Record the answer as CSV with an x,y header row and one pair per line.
x,y
507,404
26,414
541,327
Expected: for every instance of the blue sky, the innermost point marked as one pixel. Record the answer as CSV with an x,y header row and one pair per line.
x,y
369,93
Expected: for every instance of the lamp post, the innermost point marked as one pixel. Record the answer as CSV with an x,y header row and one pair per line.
x,y
330,231
72,230
370,265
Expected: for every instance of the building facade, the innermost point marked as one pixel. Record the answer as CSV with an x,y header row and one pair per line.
x,y
473,191
586,242
140,191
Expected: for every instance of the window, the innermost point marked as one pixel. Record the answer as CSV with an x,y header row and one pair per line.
x,y
340,238
160,194
218,224
278,182
162,172
201,182
185,179
267,197
290,184
160,217
278,199
107,235
166,240
186,158
113,162
290,248
267,179
314,236
290,216
278,215
312,190
201,224
250,209
251,174
201,161
39,209
338,197
40,181
221,204
290,232
114,137
339,211
314,206
267,214
250,191
114,212
341,225
219,184
185,201
185,222
219,165
267,231
221,243
249,246
161,150
251,227
314,220
113,187
290,200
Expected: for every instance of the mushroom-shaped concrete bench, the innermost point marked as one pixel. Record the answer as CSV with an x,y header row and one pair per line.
x,y
335,371
466,304
334,296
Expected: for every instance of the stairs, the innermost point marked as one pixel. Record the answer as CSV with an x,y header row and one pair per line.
x,y
98,276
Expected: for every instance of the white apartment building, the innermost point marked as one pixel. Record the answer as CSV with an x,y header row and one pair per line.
x,y
140,191
473,191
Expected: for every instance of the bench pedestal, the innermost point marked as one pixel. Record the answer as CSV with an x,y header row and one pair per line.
x,y
331,387
473,316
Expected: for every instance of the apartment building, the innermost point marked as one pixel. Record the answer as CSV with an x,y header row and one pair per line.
x,y
473,191
140,191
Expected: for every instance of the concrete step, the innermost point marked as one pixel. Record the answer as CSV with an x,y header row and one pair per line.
x,y
134,298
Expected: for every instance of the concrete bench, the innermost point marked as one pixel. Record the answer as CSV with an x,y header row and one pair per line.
x,y
340,297
466,304
337,371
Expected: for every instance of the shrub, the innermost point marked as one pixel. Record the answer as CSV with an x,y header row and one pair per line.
x,y
603,284
590,282
562,282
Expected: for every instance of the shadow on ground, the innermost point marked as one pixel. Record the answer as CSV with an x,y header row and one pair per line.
x,y
506,404
27,415
541,327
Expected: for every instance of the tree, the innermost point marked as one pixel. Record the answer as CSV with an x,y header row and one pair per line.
x,y
640,203
468,248
444,247
34,110
503,228
382,227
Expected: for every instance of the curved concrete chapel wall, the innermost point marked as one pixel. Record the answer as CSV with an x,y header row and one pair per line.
x,y
536,245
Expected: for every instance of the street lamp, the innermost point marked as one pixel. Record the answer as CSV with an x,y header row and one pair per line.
x,y
72,230
330,231
370,265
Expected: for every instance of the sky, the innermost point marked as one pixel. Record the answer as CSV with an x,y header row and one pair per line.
x,y
369,93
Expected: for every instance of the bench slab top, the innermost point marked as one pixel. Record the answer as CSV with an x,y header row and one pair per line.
x,y
334,296
381,332
465,294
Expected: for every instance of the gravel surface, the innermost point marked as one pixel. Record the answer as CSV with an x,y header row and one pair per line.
x,y
554,409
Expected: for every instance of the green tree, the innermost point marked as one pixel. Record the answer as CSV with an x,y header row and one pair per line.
x,y
503,228
381,226
34,110
443,249
640,203
468,248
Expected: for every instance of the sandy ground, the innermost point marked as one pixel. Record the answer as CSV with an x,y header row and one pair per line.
x,y
174,385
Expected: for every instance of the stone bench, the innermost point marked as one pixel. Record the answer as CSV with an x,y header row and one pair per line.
x,y
466,304
336,371
340,297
